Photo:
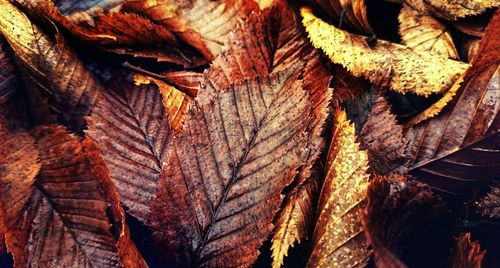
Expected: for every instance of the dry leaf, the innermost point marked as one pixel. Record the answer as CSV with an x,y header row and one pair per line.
x,y
489,205
425,33
448,150
385,64
176,103
469,48
452,10
221,183
50,66
383,139
77,10
10,108
269,42
466,254
58,203
338,238
396,208
354,13
120,32
203,24
132,127
186,81
295,218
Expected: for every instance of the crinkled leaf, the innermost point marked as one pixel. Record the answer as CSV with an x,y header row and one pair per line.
x,y
51,66
452,10
383,139
457,150
203,24
222,180
397,207
338,238
425,33
489,205
58,204
385,64
133,129
466,253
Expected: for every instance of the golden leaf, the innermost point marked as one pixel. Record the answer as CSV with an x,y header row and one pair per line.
x,y
425,33
452,10
50,66
338,239
394,65
294,219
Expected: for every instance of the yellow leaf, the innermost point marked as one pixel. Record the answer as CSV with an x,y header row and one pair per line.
x,y
452,10
338,239
386,63
294,219
425,33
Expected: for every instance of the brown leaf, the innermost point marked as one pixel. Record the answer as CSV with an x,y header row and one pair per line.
x,y
354,13
186,81
452,10
466,254
396,208
449,149
385,64
295,218
270,42
133,129
383,139
51,67
489,205
338,238
119,32
222,180
203,24
58,204
425,33
10,106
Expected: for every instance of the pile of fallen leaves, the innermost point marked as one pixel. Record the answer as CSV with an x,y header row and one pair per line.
x,y
185,133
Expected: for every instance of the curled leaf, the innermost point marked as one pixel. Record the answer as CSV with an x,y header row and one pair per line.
x,y
466,253
385,64
338,238
58,204
222,180
51,67
425,33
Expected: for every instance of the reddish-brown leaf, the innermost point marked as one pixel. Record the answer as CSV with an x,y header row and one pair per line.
x,y
351,14
222,180
466,253
50,67
396,208
489,205
132,127
459,148
58,204
383,138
